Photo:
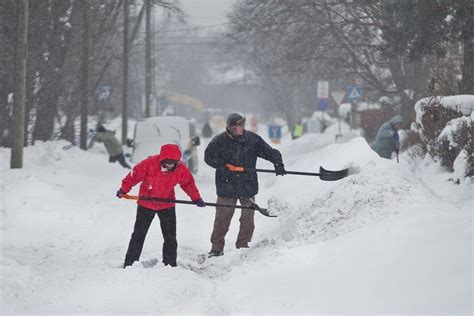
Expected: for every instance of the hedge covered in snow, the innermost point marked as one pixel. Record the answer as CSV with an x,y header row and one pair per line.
x,y
445,127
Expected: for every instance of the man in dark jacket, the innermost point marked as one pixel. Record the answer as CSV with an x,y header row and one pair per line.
x,y
237,147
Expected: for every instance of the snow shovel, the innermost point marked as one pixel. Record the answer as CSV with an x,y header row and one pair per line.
x,y
326,175
253,206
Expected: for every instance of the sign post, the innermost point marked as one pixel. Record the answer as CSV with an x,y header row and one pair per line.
x,y
354,94
338,96
323,96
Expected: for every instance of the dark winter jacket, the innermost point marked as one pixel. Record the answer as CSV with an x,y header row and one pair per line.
x,y
387,140
159,182
242,152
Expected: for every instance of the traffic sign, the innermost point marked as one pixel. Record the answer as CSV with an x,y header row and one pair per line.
x,y
354,93
274,131
338,96
323,89
323,104
103,92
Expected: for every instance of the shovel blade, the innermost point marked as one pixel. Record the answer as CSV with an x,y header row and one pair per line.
x,y
329,175
262,211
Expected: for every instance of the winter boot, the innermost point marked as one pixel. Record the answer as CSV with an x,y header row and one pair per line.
x,y
214,253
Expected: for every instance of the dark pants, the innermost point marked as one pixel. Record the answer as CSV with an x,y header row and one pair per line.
x,y
121,159
168,229
222,223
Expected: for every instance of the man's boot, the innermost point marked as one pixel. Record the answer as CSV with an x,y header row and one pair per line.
x,y
214,253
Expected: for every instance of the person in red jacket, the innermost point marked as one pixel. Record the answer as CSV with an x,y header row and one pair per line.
x,y
158,176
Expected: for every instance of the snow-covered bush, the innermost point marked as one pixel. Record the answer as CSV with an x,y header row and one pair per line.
x,y
445,128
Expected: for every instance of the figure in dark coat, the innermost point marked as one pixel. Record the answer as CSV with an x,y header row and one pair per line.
x,y
241,148
207,130
386,140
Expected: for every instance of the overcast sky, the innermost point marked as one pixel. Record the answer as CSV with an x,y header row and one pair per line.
x,y
206,12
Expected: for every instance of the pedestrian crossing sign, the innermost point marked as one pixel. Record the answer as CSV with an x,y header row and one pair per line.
x,y
354,93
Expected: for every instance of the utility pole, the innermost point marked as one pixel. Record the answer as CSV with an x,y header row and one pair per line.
x,y
21,52
148,65
85,72
125,74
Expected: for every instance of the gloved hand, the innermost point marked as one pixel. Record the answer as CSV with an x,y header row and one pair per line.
x,y
200,203
119,193
280,169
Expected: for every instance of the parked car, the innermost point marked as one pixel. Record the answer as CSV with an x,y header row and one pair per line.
x,y
153,132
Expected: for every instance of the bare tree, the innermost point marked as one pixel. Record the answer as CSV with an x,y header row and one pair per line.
x,y
125,73
85,73
20,74
389,45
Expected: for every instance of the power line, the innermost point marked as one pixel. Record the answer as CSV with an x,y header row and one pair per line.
x,y
192,37
192,44
193,28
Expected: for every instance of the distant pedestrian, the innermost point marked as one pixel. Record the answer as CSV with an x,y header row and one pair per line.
x,y
298,130
207,130
113,146
237,147
387,140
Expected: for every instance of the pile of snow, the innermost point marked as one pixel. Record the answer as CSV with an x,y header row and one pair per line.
x,y
329,209
345,109
323,116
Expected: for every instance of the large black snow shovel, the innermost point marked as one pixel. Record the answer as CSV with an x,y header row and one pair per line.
x,y
252,206
326,175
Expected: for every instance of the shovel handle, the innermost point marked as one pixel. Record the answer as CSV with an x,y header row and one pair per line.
x,y
287,172
326,175
145,198
242,169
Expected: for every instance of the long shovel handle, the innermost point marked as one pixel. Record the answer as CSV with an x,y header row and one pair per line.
x,y
254,206
326,175
287,172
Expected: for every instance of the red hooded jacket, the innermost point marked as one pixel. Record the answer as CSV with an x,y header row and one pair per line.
x,y
160,182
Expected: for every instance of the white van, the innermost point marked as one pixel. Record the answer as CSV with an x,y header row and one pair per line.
x,y
153,132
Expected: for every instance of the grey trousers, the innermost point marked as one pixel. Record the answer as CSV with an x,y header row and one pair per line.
x,y
222,222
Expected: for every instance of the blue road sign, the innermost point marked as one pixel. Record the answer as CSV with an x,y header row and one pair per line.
x,y
354,93
274,131
103,92
323,104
